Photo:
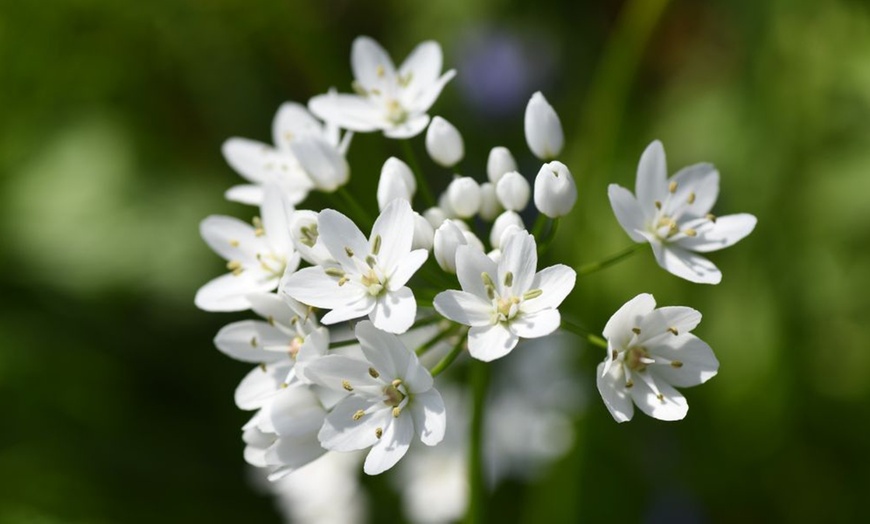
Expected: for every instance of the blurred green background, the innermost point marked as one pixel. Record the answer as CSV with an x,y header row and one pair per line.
x,y
116,407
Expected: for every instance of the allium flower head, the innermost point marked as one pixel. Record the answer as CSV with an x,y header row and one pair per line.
x,y
505,301
649,351
392,399
369,276
389,100
673,215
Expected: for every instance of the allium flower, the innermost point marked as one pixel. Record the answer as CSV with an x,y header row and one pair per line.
x,y
448,237
505,301
513,191
509,220
543,128
499,162
463,196
397,181
489,204
370,275
555,190
673,215
257,255
391,400
444,143
395,102
649,351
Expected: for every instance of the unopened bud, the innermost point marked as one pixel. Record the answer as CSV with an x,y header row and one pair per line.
x,y
464,196
444,143
513,191
500,161
397,181
543,128
448,237
555,190
424,233
505,225
489,206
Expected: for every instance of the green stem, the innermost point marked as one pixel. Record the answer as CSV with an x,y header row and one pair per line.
x,y
545,242
446,361
422,186
538,227
429,344
359,212
580,331
478,497
592,267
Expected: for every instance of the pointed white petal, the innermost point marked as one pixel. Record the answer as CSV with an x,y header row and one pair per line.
x,y
686,264
699,364
339,233
275,309
611,386
394,311
340,432
348,111
429,94
406,267
628,212
275,215
333,371
231,238
629,316
371,65
520,258
538,324
360,307
387,354
322,162
391,447
249,158
260,385
245,194
312,286
652,174
471,263
490,342
293,453
245,340
555,283
228,292
296,412
292,121
392,225
430,417
421,69
671,406
698,183
465,308
409,128
726,231
660,324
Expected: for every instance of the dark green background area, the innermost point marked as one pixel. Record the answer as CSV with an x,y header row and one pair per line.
x,y
115,407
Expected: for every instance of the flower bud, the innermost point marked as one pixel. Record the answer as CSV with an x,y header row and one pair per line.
x,y
435,216
513,191
463,194
543,128
396,181
555,190
324,164
500,161
448,237
504,222
424,233
472,240
306,239
489,206
444,143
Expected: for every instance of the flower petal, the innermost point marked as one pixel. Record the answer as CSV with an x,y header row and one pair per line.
x,y
275,215
312,286
464,308
618,328
628,212
245,194
292,121
394,311
662,323
611,386
250,158
428,95
228,292
555,282
726,231
387,354
291,453
360,307
490,342
371,65
260,385
520,258
409,128
652,173
670,406
339,234
698,363
534,325
686,264
406,268
340,432
336,372
471,263
245,340
295,411
396,234
430,417
420,70
348,111
231,238
698,183
391,447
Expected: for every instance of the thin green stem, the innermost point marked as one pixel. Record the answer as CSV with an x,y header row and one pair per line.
x,y
422,186
592,267
429,344
539,225
580,331
446,361
478,499
547,240
359,212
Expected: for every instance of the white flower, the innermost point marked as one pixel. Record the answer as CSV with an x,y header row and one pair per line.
x,y
555,190
505,301
506,222
649,351
489,205
306,239
391,400
279,166
444,143
448,237
325,165
513,191
673,215
397,181
463,196
435,216
371,274
395,102
499,162
257,255
543,128
424,233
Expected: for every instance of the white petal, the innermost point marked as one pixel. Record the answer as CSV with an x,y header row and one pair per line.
x,y
245,341
406,267
228,292
360,307
348,111
538,324
260,385
520,258
293,453
245,194
513,191
471,263
652,174
656,325
430,417
465,308
372,66
628,212
490,342
340,432
336,372
629,316
276,309
231,238
295,411
249,157
394,311
543,129
555,283
726,231
686,264
391,447
312,286
699,180
421,69
322,162
444,143
292,121
407,129
387,354
394,226
275,214
699,364
429,94
393,183
672,405
611,386
339,233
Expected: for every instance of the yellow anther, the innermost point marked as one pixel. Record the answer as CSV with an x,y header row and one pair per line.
x,y
342,281
358,88
532,293
374,373
658,204
234,243
673,331
271,320
359,414
487,280
690,232
676,364
691,199
711,217
262,367
397,411
284,385
629,384
660,397
236,267
376,244
288,136
334,272
348,251
635,330
490,292
258,227
253,342
346,385
370,261
380,71
509,279
397,382
379,432
672,187
614,354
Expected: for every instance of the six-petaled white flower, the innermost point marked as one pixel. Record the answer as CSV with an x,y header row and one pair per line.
x,y
505,301
673,215
391,399
370,275
649,351
395,102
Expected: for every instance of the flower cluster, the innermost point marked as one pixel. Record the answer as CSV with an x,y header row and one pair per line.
x,y
357,319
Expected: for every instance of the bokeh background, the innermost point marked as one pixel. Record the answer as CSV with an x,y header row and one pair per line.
x,y
115,407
